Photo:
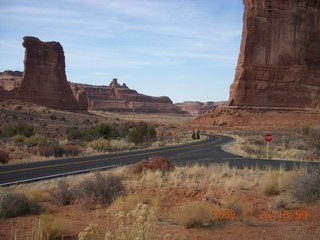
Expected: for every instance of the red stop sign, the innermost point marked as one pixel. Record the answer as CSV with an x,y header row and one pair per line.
x,y
268,137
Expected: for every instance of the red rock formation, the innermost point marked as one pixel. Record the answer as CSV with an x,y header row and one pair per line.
x,y
197,108
279,61
277,81
44,80
10,79
117,98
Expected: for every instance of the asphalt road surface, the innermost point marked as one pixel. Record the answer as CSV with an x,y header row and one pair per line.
x,y
201,152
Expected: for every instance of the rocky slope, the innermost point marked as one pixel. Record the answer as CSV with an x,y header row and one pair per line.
x,y
197,108
277,80
119,98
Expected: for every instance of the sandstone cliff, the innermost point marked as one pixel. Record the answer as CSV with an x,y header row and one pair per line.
x,y
279,61
197,108
119,98
44,80
277,80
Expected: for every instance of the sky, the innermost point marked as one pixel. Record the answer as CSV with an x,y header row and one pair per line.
x,y
184,49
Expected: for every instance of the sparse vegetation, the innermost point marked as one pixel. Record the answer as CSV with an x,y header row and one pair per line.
x,y
103,189
306,187
142,133
18,128
62,193
193,214
16,204
52,227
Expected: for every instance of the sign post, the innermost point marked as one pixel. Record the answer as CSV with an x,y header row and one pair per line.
x,y
268,138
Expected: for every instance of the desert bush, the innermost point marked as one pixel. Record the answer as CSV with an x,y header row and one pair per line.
x,y
193,214
36,195
142,133
75,133
100,145
270,183
16,204
36,139
19,138
306,187
154,163
52,228
103,130
98,189
129,203
133,225
62,193
19,128
71,150
53,117
4,157
120,145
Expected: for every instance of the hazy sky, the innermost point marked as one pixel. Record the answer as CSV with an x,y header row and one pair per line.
x,y
184,49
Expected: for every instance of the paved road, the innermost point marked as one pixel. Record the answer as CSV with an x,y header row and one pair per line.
x,y
204,152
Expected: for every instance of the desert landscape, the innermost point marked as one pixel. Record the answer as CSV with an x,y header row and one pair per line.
x,y
155,169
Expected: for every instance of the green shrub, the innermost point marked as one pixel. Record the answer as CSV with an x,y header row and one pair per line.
x,y
142,133
36,139
100,145
98,189
53,117
19,128
16,204
75,133
19,138
306,188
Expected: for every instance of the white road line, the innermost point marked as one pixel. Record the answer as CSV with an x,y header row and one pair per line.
x,y
56,175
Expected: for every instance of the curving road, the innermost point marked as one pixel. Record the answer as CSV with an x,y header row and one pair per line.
x,y
203,152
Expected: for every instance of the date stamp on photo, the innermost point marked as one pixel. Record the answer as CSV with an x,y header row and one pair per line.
x,y
297,215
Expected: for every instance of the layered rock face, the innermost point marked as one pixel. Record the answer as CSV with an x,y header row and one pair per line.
x,y
279,61
119,98
10,80
44,80
197,108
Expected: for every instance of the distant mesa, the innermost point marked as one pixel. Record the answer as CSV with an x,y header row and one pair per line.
x,y
120,98
197,108
44,82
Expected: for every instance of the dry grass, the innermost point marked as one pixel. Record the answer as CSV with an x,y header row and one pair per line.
x,y
36,195
52,228
193,214
285,146
128,203
275,182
